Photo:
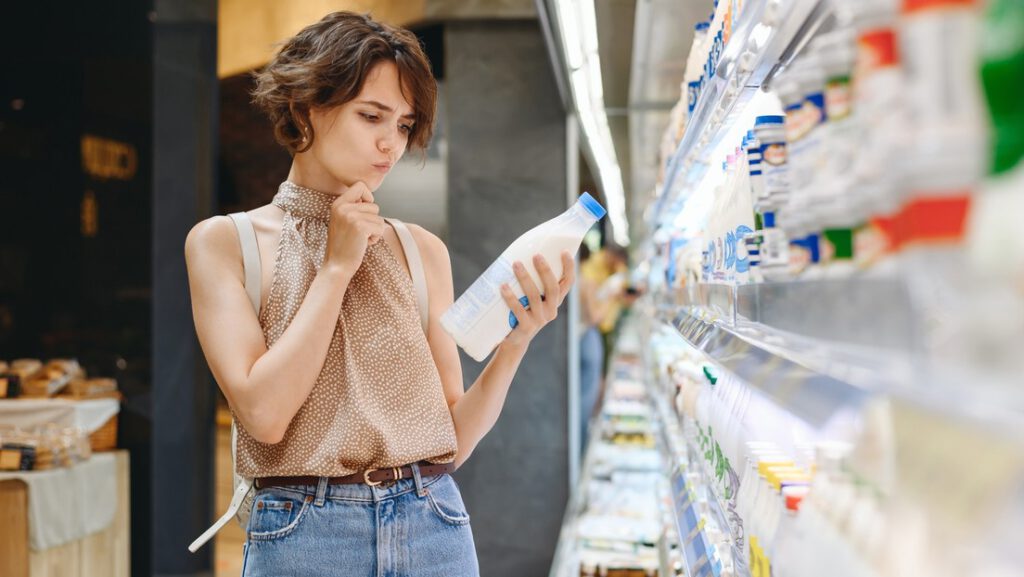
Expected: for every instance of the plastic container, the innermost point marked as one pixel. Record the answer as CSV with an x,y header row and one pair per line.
x,y
939,41
804,96
837,57
479,320
771,134
694,66
1002,74
774,251
880,102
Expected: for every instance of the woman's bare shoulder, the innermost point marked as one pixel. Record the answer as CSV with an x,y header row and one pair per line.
x,y
217,236
432,247
212,239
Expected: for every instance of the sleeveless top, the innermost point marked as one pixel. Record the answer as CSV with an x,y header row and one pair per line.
x,y
378,401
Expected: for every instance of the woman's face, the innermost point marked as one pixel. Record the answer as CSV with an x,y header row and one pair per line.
x,y
361,140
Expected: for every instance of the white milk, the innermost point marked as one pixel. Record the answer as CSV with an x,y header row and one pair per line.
x,y
479,320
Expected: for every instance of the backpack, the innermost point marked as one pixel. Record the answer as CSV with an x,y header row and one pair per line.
x,y
241,500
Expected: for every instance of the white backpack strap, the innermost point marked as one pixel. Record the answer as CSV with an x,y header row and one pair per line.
x,y
241,492
253,269
250,257
412,256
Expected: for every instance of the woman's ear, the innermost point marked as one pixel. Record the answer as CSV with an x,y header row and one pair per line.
x,y
303,122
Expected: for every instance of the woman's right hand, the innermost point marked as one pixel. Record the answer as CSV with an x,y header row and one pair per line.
x,y
355,223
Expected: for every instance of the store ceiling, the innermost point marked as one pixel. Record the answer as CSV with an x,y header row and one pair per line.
x,y
643,44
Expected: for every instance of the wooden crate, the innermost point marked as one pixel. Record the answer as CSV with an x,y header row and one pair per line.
x,y
105,437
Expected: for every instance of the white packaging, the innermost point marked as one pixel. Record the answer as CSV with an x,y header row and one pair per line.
x,y
479,320
938,43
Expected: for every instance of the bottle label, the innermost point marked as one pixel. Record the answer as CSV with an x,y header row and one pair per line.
x,y
774,153
794,120
742,257
876,50
912,6
692,93
469,307
774,170
837,98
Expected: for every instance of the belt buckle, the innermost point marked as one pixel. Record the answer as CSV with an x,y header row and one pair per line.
x,y
396,473
366,478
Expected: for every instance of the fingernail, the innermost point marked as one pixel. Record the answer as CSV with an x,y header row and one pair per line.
x,y
518,265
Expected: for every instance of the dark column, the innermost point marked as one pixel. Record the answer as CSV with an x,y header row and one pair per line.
x,y
507,173
184,142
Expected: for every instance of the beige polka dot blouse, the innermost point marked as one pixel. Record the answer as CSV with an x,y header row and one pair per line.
x,y
378,401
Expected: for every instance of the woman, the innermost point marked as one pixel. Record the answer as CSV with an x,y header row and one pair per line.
x,y
598,304
350,417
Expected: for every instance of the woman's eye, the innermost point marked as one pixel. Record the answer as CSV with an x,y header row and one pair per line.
x,y
405,128
370,117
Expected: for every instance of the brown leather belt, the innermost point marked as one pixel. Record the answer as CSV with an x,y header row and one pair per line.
x,y
372,477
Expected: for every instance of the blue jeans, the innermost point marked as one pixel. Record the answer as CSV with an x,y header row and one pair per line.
x,y
591,364
417,527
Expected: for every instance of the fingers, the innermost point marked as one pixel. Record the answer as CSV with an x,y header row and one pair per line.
x,y
518,310
529,287
358,192
371,225
363,207
547,277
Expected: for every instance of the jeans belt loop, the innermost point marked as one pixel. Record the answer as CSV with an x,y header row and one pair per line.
x,y
420,491
321,491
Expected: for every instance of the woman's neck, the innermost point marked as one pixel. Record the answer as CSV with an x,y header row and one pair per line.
x,y
308,173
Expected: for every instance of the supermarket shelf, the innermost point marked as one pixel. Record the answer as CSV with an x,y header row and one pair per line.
x,y
767,36
783,374
565,562
815,348
682,494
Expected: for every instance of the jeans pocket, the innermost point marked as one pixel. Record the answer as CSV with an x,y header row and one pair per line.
x,y
276,514
446,501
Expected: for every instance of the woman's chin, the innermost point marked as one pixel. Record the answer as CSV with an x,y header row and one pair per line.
x,y
374,182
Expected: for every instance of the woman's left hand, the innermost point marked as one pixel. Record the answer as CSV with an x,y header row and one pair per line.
x,y
539,311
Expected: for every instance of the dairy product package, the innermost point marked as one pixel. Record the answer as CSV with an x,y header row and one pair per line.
x,y
479,319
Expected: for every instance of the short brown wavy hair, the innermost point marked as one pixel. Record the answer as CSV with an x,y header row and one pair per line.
x,y
326,64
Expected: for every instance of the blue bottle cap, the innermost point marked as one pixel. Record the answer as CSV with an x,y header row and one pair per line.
x,y
762,120
592,205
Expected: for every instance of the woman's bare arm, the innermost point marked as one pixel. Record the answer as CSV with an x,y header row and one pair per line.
x,y
476,410
265,387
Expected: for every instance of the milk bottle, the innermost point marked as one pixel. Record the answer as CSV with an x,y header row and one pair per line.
x,y
480,319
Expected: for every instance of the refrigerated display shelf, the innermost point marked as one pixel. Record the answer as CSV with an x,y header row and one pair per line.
x,y
604,463
816,348
768,34
689,527
565,562
782,374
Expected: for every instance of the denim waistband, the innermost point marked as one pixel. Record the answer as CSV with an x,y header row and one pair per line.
x,y
360,491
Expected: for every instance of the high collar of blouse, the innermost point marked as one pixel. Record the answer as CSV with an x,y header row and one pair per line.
x,y
302,202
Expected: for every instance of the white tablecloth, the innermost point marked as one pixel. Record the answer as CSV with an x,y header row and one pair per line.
x,y
67,504
89,414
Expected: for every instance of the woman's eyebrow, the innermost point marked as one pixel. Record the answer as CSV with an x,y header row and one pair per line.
x,y
385,108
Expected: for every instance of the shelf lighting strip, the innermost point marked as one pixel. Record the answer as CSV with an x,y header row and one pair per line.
x,y
577,26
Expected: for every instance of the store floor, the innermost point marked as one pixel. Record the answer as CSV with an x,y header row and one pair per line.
x,y
228,560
